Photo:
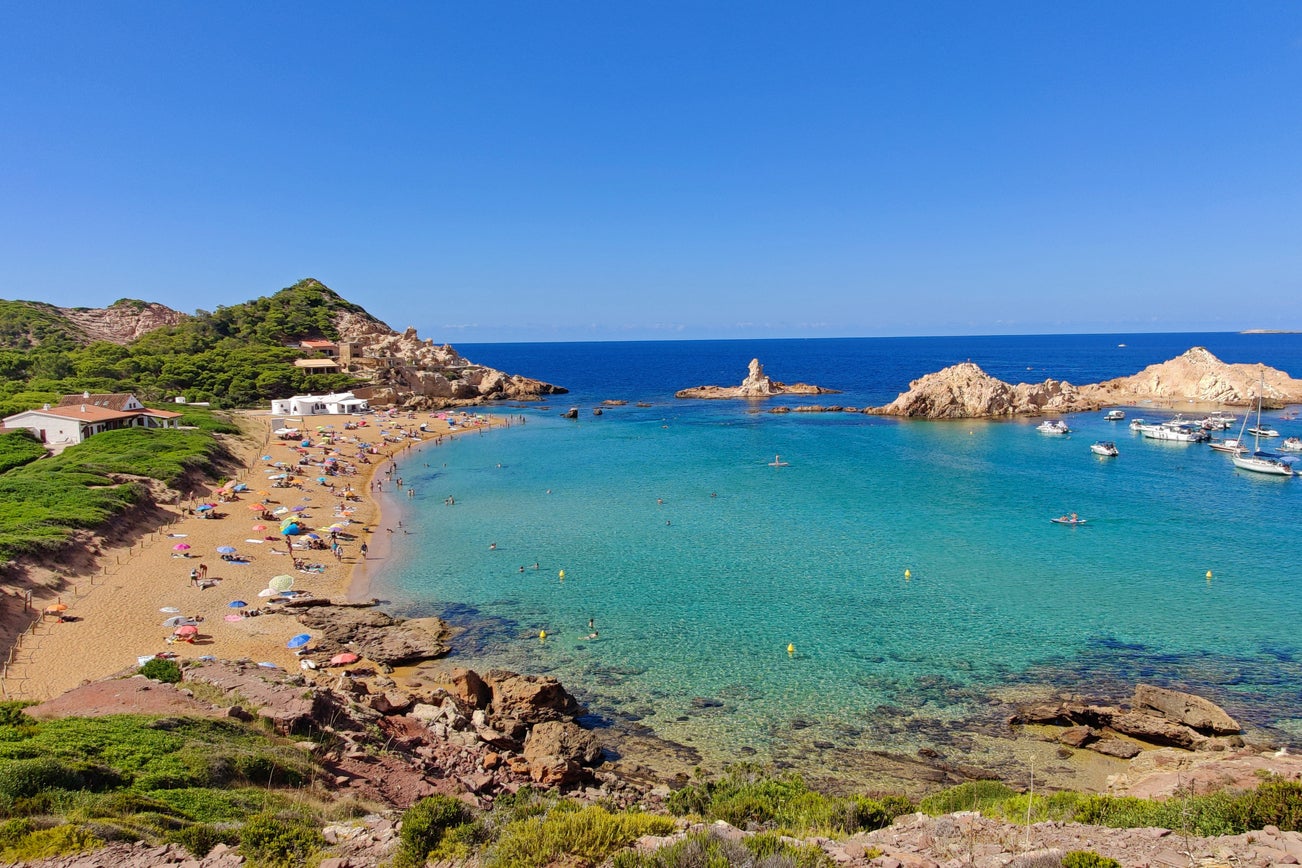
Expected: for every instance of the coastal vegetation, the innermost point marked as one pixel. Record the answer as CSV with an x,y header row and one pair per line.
x,y
233,357
43,503
75,784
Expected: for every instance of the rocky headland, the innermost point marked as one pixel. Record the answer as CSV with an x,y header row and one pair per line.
x,y
756,385
965,391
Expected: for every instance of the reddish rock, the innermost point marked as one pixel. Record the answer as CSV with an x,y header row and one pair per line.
x,y
1185,708
529,699
1078,736
1115,747
467,686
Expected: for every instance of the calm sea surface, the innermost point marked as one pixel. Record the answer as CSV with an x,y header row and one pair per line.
x,y
911,565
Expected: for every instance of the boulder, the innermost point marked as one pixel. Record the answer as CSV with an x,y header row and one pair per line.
x,y
1116,747
530,699
558,751
377,636
467,686
1078,736
1186,708
1151,728
964,391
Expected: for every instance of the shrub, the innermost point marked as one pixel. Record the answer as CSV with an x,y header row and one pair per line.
x,y
1088,859
166,671
21,778
199,838
48,843
708,848
426,823
277,841
970,796
591,833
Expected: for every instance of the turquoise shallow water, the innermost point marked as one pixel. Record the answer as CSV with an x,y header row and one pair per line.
x,y
697,598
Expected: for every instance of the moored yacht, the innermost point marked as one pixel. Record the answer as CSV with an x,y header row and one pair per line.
x,y
1291,444
1258,461
1053,426
1114,415
1177,430
1106,448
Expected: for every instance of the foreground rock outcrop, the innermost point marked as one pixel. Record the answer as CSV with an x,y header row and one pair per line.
x,y
965,391
756,385
1157,716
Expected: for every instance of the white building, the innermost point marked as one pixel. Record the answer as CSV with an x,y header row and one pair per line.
x,y
337,404
80,416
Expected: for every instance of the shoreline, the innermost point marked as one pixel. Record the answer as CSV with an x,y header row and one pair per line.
x,y
115,594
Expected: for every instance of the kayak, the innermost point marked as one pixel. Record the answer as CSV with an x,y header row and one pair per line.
x,y
1068,520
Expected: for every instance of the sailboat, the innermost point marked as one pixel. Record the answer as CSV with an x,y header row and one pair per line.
x,y
1258,461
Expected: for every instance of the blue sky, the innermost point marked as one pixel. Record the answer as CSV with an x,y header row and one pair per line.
x,y
559,171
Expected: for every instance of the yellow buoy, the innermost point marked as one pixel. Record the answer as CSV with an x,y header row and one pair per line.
x,y
562,575
791,648
1209,575
542,634
908,575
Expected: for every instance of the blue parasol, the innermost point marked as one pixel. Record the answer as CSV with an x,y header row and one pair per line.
x,y
226,550
236,604
298,641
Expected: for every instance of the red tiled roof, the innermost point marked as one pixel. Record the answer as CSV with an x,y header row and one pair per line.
x,y
87,413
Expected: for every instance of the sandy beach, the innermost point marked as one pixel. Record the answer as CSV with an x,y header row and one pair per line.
x,y
115,609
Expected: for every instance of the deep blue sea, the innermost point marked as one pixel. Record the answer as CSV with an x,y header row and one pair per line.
x,y
909,565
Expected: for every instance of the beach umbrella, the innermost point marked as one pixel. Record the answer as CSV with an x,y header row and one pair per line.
x,y
268,592
344,659
266,458
259,527
281,583
299,641
240,487
225,550
57,607
257,507
204,507
235,616
236,604
169,610
186,630
280,510
178,621
321,479
314,536
181,547
298,509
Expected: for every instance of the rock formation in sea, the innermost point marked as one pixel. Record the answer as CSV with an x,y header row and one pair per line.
x,y
756,385
1197,375
964,391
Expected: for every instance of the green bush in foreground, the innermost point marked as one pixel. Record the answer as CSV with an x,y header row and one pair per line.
x,y
591,833
1276,802
425,824
1088,859
21,842
279,841
166,671
766,850
749,798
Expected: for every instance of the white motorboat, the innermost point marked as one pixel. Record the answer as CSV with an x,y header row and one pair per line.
x,y
1137,424
1230,445
1258,461
1053,426
1106,448
1114,415
1263,432
1291,444
1176,430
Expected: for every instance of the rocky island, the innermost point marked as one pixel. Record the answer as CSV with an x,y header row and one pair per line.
x,y
756,385
965,391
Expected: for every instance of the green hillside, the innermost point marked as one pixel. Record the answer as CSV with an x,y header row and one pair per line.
x,y
233,357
